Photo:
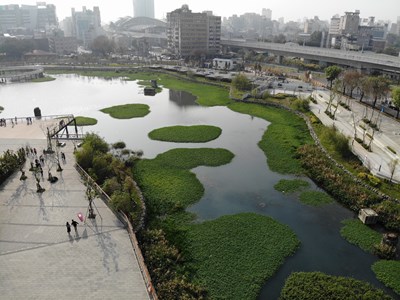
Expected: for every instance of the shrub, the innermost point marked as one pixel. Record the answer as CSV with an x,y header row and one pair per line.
x,y
384,251
311,99
119,145
340,142
391,150
164,262
302,105
389,214
371,179
10,162
121,200
335,181
241,82
314,120
266,95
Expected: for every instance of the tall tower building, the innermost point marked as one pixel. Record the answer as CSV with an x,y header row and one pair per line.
x,y
86,25
193,33
349,23
143,8
267,13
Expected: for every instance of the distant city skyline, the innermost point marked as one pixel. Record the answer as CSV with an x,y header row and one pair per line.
x,y
290,10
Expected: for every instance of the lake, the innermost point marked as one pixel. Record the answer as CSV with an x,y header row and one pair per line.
x,y
244,185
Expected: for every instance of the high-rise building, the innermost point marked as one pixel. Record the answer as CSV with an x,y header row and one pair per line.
x,y
143,8
193,33
267,13
398,27
349,23
41,16
86,25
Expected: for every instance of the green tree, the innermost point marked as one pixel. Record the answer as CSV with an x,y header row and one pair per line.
x,y
352,79
332,72
391,51
102,46
242,83
280,39
315,39
15,49
396,99
377,87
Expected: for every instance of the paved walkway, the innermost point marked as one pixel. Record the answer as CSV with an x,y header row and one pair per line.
x,y
38,259
379,159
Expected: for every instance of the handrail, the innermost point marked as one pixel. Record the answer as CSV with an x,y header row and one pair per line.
x,y
132,236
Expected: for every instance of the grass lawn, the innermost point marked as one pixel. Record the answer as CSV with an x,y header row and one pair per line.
x,y
388,272
235,255
166,181
85,121
283,136
316,285
291,186
315,198
127,111
357,233
186,134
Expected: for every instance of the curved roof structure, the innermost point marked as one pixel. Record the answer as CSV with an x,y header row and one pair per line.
x,y
137,24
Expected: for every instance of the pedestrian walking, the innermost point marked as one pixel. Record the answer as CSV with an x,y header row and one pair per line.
x,y
75,224
68,228
63,156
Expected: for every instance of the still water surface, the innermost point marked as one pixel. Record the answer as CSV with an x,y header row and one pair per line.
x,y
244,185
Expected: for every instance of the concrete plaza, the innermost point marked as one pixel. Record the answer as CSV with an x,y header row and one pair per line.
x,y
38,259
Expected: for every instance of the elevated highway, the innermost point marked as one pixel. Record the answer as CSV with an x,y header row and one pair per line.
x,y
358,60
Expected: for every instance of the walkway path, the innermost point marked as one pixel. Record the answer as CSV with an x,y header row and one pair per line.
x,y
389,134
38,259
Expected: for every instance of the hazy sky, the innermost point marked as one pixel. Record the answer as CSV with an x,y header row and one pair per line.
x,y
289,9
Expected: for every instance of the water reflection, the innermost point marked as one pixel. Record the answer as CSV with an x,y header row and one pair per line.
x,y
244,185
182,98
